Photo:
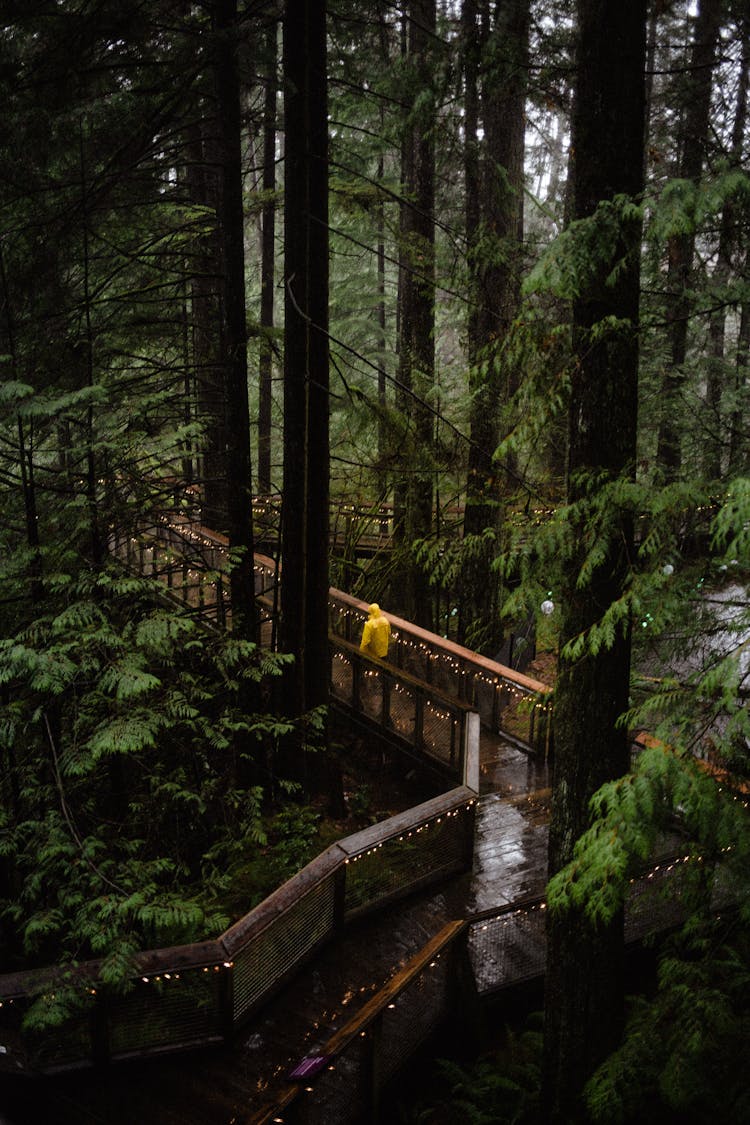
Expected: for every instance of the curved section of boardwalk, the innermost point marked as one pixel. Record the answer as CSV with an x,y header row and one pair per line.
x,y
232,1082
229,1082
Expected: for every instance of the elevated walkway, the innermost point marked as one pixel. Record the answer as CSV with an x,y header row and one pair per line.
x,y
307,1006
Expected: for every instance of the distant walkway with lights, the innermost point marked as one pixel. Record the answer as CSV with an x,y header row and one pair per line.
x,y
422,699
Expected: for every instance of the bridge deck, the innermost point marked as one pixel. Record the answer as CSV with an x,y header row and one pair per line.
x,y
230,1083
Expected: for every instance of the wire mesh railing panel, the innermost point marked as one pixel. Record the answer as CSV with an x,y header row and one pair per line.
x,y
656,900
340,1093
439,739
403,711
515,713
371,686
508,947
167,1009
394,866
412,656
342,677
413,1016
281,945
72,1045
346,621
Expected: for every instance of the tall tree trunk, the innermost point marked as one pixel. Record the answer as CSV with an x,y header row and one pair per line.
x,y
697,103
304,598
205,315
25,450
417,309
234,334
584,983
495,236
716,366
380,221
265,367
96,546
739,444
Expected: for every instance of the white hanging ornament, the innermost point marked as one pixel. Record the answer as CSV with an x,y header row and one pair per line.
x,y
667,570
547,607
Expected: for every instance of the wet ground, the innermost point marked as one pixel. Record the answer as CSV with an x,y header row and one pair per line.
x,y
223,1086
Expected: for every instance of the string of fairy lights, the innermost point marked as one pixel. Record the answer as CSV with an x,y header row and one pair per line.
x,y
166,977
344,616
509,918
424,652
429,653
405,836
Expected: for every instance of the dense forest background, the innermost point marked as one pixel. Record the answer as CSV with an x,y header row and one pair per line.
x,y
478,269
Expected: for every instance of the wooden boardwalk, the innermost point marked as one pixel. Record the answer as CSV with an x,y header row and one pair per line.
x,y
229,1084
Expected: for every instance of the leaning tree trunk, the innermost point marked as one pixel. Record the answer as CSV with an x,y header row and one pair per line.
x,y
739,445
584,982
25,447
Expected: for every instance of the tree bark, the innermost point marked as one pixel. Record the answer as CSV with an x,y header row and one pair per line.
x,y
728,237
417,310
739,445
234,335
304,598
697,103
494,227
584,985
205,314
265,367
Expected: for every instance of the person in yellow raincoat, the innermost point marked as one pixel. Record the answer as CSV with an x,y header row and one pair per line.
x,y
376,634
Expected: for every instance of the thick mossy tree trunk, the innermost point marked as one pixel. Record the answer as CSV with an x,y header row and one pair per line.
x,y
205,312
584,991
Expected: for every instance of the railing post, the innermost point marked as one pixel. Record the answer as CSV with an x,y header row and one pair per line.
x,y
496,706
226,1002
471,750
374,1069
356,684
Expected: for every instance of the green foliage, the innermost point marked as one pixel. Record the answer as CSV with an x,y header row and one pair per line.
x,y
590,253
683,1051
684,206
500,1088
125,804
731,528
628,817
